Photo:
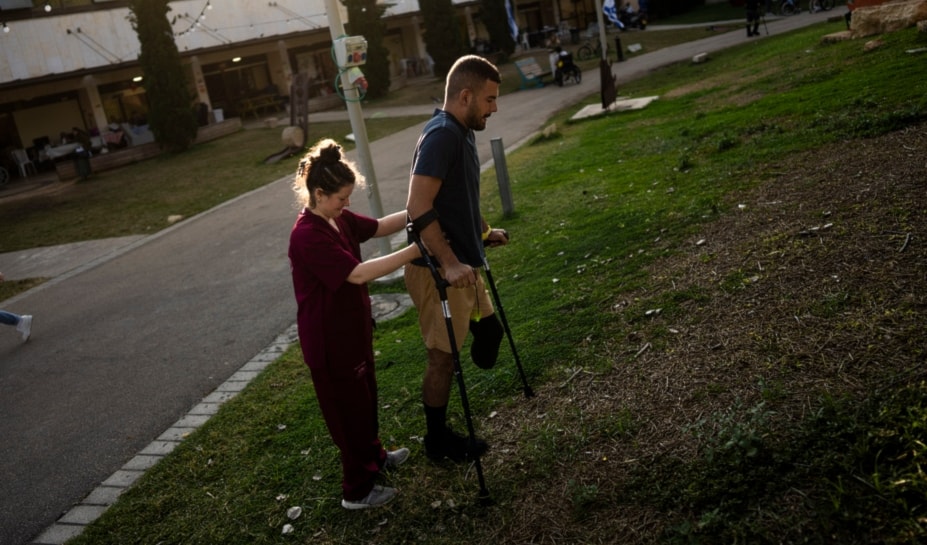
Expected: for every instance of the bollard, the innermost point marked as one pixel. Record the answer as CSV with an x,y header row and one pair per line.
x,y
618,47
502,176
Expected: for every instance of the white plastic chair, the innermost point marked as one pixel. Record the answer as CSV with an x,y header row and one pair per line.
x,y
23,162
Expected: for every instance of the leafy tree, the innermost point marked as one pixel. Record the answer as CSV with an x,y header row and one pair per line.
x,y
442,34
660,9
170,113
365,18
496,20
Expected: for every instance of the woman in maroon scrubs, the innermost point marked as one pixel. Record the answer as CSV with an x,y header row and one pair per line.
x,y
334,317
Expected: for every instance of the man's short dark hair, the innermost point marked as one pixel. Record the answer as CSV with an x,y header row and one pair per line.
x,y
470,72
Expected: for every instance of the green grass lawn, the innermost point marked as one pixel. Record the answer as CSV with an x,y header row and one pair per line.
x,y
139,198
597,202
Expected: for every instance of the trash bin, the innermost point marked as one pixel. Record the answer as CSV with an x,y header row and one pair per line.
x,y
202,114
82,163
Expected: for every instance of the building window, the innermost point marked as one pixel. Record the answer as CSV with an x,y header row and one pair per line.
x,y
229,82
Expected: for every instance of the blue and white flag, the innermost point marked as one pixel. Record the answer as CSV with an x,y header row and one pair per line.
x,y
611,11
513,26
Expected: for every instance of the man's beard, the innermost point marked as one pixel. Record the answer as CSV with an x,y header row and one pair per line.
x,y
475,121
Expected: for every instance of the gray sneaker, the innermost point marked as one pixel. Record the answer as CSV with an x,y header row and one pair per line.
x,y
25,326
395,458
377,497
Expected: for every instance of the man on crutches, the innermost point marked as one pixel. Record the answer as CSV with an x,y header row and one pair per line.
x,y
444,210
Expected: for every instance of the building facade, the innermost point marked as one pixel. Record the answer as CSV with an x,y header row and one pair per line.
x,y
71,65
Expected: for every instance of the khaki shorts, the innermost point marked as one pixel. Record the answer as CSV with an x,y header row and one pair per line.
x,y
463,303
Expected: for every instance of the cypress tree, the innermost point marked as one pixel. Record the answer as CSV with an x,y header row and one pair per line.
x,y
170,104
496,20
442,34
365,19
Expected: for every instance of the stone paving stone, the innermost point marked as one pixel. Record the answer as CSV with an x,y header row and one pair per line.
x,y
266,356
82,514
123,478
206,409
104,495
159,448
141,463
58,534
231,387
219,397
259,365
191,421
243,376
175,434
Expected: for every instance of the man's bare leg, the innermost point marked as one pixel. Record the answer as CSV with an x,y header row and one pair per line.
x,y
440,441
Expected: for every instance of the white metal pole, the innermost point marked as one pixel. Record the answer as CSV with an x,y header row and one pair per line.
x,y
352,98
600,18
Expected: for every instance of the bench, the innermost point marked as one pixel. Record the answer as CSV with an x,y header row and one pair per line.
x,y
532,75
137,135
99,162
258,104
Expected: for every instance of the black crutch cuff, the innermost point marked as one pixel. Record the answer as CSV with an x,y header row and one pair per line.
x,y
423,221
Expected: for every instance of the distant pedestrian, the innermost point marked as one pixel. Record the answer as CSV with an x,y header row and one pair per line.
x,y
23,322
753,18
334,317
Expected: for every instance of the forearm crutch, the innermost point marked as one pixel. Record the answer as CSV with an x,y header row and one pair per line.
x,y
442,285
505,325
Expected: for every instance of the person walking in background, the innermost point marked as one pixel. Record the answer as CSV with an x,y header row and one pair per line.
x,y
23,322
753,17
444,207
334,317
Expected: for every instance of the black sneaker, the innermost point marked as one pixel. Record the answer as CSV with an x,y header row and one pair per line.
x,y
453,446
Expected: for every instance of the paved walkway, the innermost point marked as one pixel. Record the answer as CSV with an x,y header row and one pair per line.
x,y
135,336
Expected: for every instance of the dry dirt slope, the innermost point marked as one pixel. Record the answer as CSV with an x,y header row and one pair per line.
x,y
813,285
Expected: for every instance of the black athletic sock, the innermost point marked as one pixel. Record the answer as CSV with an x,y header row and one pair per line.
x,y
435,420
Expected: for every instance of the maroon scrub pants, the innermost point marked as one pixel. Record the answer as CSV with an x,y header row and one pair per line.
x,y
348,399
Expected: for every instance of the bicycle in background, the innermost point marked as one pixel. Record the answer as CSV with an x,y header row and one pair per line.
x,y
791,7
815,6
591,49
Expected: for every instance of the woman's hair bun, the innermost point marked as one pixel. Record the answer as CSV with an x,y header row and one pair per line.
x,y
330,154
